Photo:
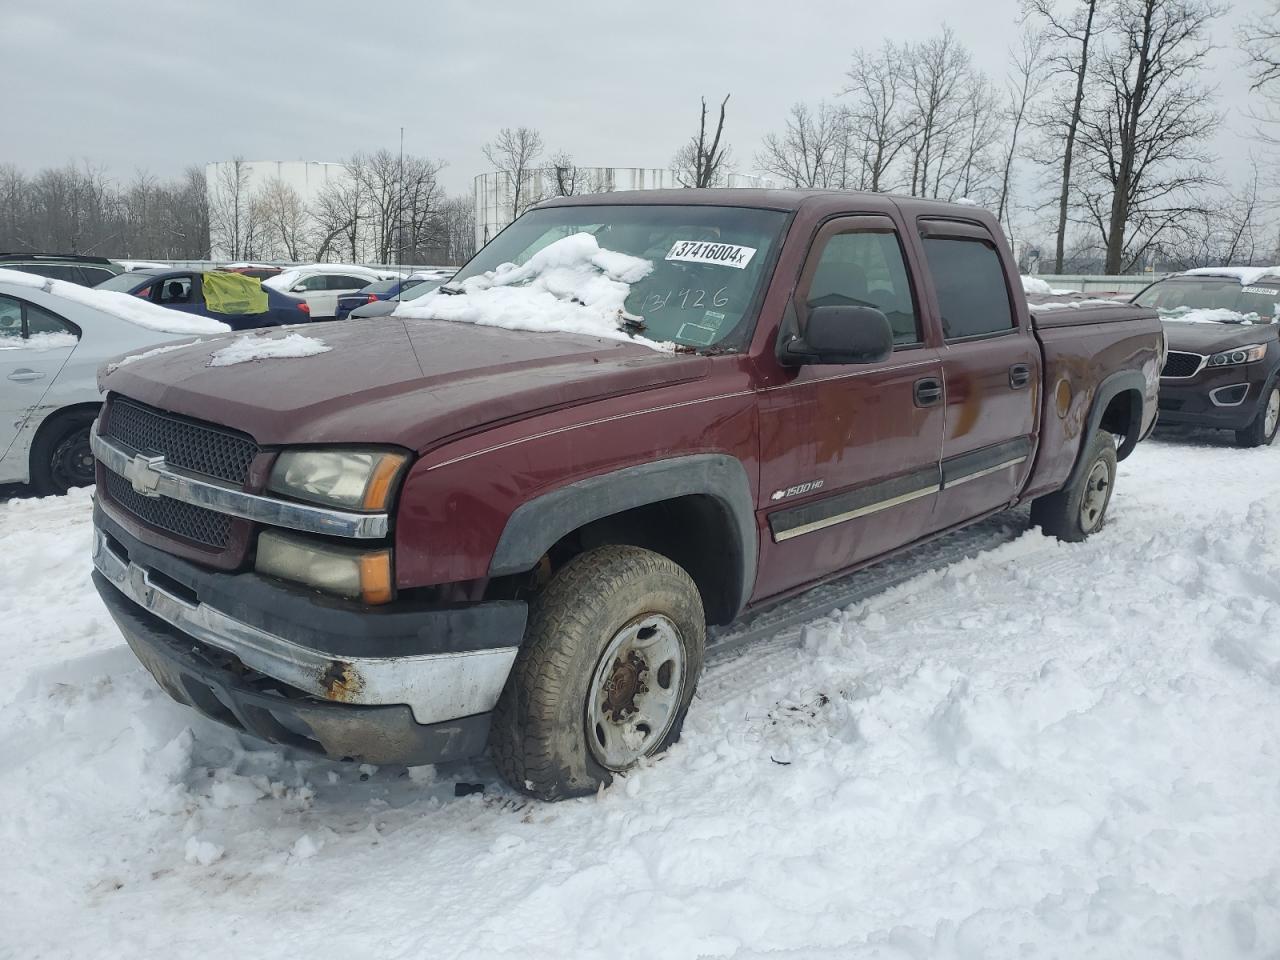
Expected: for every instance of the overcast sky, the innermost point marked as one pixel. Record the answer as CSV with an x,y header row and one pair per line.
x,y
161,84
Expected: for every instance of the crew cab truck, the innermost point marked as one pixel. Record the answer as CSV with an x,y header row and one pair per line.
x,y
439,537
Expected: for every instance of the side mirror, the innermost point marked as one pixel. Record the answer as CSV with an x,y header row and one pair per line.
x,y
835,335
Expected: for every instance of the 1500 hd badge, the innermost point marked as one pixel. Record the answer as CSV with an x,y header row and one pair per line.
x,y
807,487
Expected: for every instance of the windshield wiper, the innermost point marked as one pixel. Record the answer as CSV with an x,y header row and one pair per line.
x,y
630,322
449,290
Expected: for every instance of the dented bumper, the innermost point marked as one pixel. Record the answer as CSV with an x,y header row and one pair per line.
x,y
293,667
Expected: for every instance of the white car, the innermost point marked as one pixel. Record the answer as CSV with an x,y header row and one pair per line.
x,y
321,284
53,337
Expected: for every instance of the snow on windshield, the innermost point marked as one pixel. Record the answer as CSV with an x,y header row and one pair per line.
x,y
1213,315
258,347
569,286
122,306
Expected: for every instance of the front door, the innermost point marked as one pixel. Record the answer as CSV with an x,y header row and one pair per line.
x,y
991,372
849,453
34,346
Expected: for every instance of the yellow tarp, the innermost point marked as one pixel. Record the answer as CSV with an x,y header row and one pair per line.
x,y
234,293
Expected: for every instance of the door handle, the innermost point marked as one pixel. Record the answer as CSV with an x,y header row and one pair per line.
x,y
1019,375
26,374
928,391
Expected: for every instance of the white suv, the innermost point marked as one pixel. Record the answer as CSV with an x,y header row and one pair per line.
x,y
321,284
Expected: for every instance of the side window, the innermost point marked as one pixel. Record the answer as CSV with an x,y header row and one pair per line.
x,y
308,284
174,290
40,320
970,281
10,321
866,269
347,283
92,276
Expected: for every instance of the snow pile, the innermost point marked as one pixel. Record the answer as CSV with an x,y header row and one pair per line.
x,y
257,347
993,759
1035,285
1074,304
40,341
1246,275
122,306
1211,315
570,286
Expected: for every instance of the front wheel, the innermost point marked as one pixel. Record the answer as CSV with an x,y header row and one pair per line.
x,y
604,678
1262,431
60,457
1075,512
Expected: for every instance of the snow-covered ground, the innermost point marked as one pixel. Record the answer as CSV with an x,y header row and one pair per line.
x,y
1046,751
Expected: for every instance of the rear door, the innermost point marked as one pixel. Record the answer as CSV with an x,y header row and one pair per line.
x,y
991,372
849,453
34,346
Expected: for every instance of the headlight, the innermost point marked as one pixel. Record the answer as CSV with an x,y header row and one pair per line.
x,y
1229,358
350,479
363,575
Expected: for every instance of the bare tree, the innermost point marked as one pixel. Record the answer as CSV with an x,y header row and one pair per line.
x,y
1141,135
1259,38
703,162
878,112
232,217
457,217
399,195
1024,84
515,153
813,150
339,211
1069,36
285,220
1226,230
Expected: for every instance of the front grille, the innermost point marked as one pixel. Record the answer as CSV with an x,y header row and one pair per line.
x,y
1181,364
187,444
173,516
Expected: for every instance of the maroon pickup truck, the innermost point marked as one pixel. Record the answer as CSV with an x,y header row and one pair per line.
x,y
440,537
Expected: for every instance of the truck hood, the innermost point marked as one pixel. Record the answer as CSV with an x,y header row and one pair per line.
x,y
397,381
1213,337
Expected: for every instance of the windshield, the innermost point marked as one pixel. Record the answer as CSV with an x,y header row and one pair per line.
x,y
124,281
1179,296
419,288
708,263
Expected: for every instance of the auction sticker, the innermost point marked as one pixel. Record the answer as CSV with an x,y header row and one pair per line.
x,y
701,251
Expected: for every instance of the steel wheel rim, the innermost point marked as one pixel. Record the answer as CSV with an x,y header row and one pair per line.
x,y
1272,417
635,691
1097,491
73,463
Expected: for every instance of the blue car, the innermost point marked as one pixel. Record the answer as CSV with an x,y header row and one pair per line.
x,y
233,298
382,290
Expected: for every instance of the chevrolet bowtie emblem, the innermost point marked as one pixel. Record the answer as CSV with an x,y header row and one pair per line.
x,y
143,473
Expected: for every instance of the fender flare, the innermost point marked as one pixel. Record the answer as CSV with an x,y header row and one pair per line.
x,y
537,524
1108,390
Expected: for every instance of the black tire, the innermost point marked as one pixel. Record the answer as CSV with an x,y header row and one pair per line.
x,y
539,738
60,457
1260,433
1064,514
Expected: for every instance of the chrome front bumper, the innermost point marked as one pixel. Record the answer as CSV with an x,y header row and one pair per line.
x,y
436,687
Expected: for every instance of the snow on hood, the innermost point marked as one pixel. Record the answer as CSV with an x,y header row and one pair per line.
x,y
570,286
1246,275
258,347
1212,315
122,306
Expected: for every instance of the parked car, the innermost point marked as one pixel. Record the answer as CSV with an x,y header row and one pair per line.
x,y
241,302
386,307
322,284
259,271
53,337
439,535
1223,370
388,292
86,271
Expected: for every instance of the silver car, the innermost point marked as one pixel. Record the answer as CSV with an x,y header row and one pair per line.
x,y
53,338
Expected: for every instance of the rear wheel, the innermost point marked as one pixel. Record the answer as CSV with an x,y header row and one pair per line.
x,y
1077,511
1263,429
60,457
609,664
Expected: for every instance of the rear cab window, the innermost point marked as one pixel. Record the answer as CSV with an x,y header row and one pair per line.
x,y
969,280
